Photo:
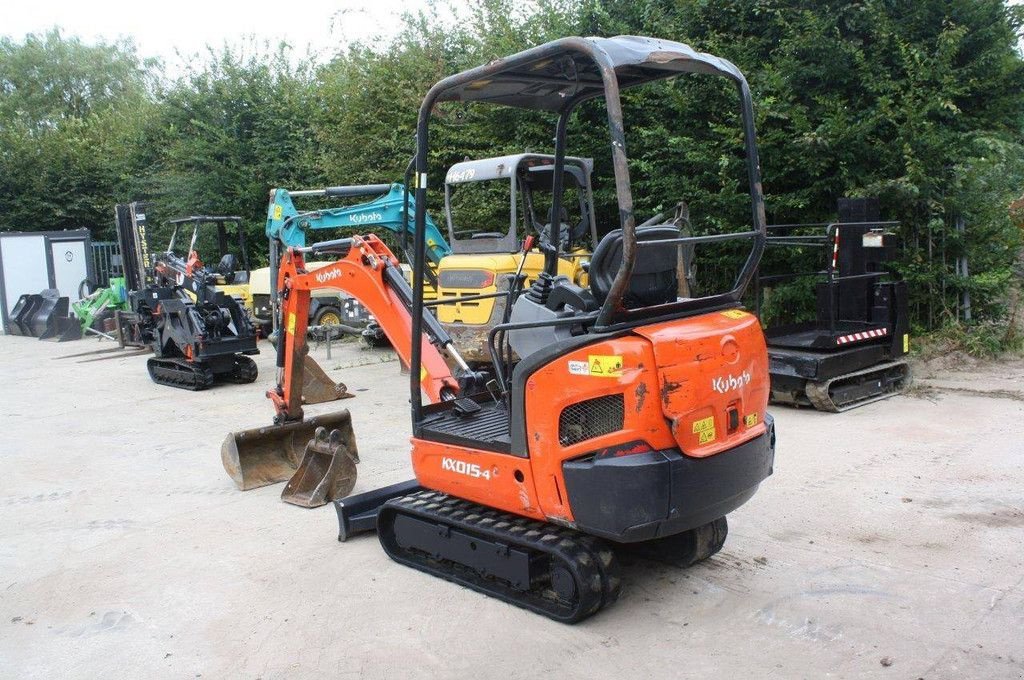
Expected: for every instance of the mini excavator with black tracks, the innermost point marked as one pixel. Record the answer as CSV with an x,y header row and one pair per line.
x,y
626,414
634,415
199,335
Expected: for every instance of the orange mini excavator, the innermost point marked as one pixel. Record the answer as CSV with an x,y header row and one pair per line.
x,y
624,413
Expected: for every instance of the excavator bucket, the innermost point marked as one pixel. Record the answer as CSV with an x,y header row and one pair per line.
x,y
328,468
51,305
62,327
317,386
271,454
23,312
20,307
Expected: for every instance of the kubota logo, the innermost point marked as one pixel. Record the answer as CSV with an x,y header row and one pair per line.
x,y
365,218
729,383
464,468
328,275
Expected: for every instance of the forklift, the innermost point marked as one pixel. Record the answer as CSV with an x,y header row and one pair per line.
x,y
851,353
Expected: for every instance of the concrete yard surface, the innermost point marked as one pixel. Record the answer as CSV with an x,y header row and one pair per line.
x,y
889,543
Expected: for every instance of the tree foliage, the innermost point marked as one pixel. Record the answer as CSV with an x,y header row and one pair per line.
x,y
917,102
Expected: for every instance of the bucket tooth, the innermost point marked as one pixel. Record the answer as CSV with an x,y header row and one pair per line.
x,y
317,386
267,455
328,468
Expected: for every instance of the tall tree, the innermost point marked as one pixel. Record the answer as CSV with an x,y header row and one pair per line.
x,y
69,120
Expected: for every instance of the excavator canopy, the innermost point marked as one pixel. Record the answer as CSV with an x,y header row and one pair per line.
x,y
566,72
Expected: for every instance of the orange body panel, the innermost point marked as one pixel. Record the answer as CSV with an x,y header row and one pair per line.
x,y
678,379
485,476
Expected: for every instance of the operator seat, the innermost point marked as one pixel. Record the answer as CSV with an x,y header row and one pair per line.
x,y
226,267
563,227
654,280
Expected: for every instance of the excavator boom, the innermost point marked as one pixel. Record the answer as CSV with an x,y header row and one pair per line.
x,y
367,270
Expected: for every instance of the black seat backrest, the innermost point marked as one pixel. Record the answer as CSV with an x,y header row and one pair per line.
x,y
227,266
654,280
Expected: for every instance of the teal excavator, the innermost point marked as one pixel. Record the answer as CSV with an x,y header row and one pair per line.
x,y
391,209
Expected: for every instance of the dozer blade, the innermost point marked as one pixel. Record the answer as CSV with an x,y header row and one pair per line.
x,y
271,454
317,386
328,468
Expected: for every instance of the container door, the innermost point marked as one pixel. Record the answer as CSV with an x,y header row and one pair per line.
x,y
24,267
69,266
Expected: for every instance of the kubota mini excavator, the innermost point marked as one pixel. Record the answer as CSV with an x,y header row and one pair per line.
x,y
632,415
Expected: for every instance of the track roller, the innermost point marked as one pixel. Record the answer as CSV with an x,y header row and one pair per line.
x,y
550,570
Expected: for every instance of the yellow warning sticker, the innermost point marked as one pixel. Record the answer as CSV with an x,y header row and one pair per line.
x,y
278,212
605,366
704,424
906,342
291,323
735,314
423,373
704,429
750,420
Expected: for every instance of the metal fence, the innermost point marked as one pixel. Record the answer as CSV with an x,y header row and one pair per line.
x,y
106,261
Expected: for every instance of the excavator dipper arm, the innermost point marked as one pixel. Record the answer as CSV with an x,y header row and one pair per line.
x,y
367,270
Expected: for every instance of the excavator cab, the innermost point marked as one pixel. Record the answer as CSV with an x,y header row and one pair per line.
x,y
492,206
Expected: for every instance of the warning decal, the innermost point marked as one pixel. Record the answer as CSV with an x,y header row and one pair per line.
x,y
291,323
750,420
704,429
735,314
605,366
906,343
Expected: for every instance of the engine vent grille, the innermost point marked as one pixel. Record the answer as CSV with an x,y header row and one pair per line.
x,y
591,418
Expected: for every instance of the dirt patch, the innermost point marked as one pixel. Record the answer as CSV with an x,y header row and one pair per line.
x,y
997,519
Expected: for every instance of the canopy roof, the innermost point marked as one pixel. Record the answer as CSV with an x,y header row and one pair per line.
x,y
503,166
548,77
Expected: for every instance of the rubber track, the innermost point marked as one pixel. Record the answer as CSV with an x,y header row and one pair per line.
x,y
818,392
245,370
180,373
590,560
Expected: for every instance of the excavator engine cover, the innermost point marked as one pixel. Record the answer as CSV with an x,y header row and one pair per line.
x,y
270,454
328,468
